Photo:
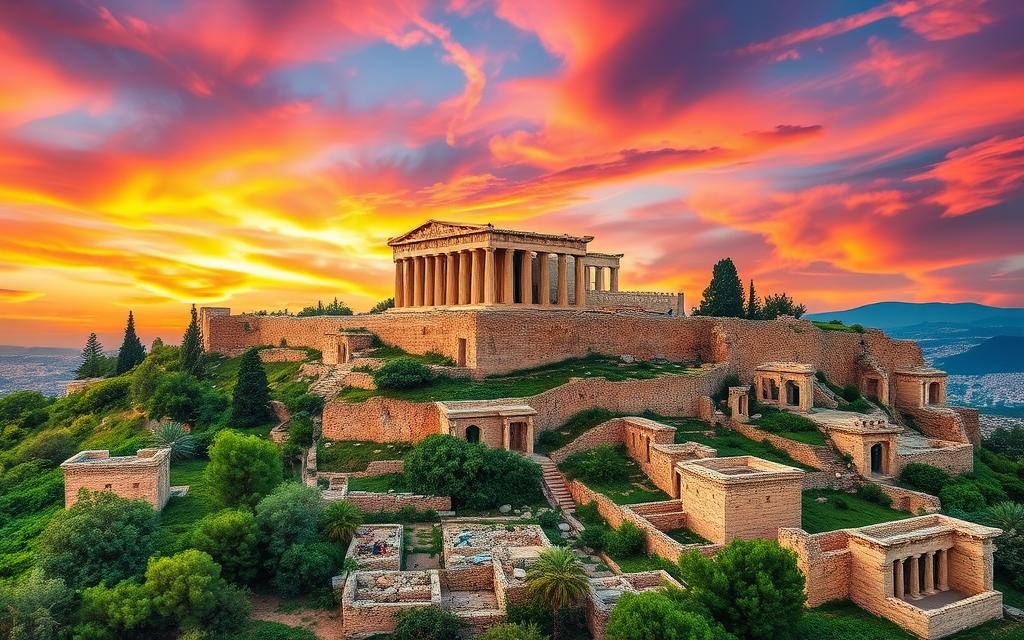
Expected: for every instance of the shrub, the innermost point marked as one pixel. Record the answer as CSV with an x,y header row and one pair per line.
x,y
600,464
924,477
187,588
305,568
626,541
548,519
287,517
19,403
1009,442
106,395
402,373
101,538
300,431
655,614
962,496
1009,557
122,611
873,493
589,514
594,537
850,393
509,631
309,404
427,623
174,436
35,608
243,468
232,539
54,446
752,587
145,379
339,521
181,397
506,477
549,439
1008,516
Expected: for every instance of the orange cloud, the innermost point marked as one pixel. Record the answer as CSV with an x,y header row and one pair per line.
x,y
978,176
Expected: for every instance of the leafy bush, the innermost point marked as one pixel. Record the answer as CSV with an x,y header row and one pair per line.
x,y
101,538
594,537
243,468
962,496
53,446
1009,442
1009,557
873,493
656,614
180,396
122,611
752,587
402,373
105,395
287,517
145,379
549,439
300,431
187,588
589,513
783,421
924,477
232,539
308,404
509,631
850,393
16,404
600,464
427,623
626,541
305,568
36,608
548,519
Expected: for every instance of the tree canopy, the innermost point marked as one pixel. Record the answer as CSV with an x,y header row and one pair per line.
x,y
94,363
131,352
243,468
250,403
192,347
723,296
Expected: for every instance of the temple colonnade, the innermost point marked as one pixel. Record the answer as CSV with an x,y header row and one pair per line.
x,y
921,574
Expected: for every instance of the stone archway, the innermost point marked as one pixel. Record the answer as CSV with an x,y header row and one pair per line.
x,y
878,458
473,433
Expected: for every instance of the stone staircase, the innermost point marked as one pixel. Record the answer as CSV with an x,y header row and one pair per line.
x,y
331,382
554,482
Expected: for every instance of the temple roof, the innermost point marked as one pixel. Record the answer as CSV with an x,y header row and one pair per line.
x,y
441,229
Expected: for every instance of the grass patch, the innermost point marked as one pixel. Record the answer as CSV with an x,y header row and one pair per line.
x,y
391,352
730,443
837,325
683,535
263,630
831,515
181,514
379,484
527,382
1011,594
842,620
355,455
573,428
789,425
631,488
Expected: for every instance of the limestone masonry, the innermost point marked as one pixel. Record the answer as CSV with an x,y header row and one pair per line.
x,y
144,476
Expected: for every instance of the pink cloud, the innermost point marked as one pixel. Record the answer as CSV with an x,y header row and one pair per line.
x,y
978,176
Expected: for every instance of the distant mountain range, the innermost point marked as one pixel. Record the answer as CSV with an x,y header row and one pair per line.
x,y
897,315
999,354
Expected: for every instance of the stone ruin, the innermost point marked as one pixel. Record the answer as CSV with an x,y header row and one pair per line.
x,y
377,547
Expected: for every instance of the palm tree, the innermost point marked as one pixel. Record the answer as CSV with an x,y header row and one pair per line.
x,y
174,436
340,521
1008,516
557,580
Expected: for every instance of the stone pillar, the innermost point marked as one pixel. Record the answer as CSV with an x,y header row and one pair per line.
x,y
944,570
526,276
563,280
465,266
581,282
428,281
489,268
598,278
508,281
898,579
477,292
439,279
408,298
399,283
451,274
614,284
929,573
417,281
915,577
505,435
529,435
544,274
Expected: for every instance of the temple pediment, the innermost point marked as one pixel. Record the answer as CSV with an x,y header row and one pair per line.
x,y
437,229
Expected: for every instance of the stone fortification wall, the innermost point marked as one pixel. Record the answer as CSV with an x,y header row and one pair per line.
x,y
824,560
282,354
653,301
607,433
909,500
946,423
380,419
953,458
370,502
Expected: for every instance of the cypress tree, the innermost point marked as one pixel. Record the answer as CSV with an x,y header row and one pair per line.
x,y
753,304
724,294
132,352
250,403
192,347
93,361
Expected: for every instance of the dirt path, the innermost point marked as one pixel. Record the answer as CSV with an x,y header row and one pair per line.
x,y
325,624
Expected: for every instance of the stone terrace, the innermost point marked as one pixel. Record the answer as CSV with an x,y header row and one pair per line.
x,y
377,547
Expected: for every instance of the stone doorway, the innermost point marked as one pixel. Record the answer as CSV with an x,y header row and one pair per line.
x,y
877,462
473,434
342,354
677,485
934,393
792,394
460,359
517,435
873,386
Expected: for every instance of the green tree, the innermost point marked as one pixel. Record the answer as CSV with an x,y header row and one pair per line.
x,y
655,615
145,379
383,305
752,587
232,539
131,352
339,521
723,296
101,538
779,304
94,363
335,308
753,303
250,403
36,608
287,517
243,469
427,623
1008,516
192,347
557,580
305,568
17,404
188,589
174,436
181,397
123,611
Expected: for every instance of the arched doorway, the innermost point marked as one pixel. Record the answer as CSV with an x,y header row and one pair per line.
x,y
473,433
876,458
934,393
792,394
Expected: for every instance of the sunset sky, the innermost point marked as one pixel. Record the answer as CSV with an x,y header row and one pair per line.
x,y
258,154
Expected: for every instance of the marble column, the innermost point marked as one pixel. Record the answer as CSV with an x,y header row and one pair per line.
x,y
544,274
944,570
477,291
614,284
399,283
563,280
929,573
428,281
439,279
526,276
581,282
508,281
465,267
598,278
489,268
407,298
915,576
451,276
898,579
417,281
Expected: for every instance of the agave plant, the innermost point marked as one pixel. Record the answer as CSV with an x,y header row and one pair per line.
x,y
340,520
557,580
176,437
1008,516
